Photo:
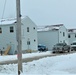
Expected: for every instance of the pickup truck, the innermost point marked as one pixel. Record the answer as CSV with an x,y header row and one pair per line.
x,y
61,47
73,46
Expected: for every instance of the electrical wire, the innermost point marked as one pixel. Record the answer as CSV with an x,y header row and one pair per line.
x,y
4,8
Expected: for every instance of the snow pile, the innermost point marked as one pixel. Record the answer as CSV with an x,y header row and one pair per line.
x,y
57,65
14,57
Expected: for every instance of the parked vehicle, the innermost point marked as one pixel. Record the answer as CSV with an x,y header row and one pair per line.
x,y
42,48
61,47
73,46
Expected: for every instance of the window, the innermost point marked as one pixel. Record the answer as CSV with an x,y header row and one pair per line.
x,y
27,29
63,33
0,30
75,35
28,42
12,29
34,40
69,36
34,28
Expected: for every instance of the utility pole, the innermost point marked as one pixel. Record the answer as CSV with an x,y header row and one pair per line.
x,y
18,35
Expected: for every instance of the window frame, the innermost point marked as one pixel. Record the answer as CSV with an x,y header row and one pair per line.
x,y
69,36
27,29
11,29
63,34
0,30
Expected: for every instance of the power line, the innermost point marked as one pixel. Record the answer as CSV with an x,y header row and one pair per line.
x,y
4,8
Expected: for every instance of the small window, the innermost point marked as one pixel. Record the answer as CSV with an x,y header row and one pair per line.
x,y
28,42
0,30
60,31
69,36
34,40
12,29
75,35
34,28
3,48
63,33
27,29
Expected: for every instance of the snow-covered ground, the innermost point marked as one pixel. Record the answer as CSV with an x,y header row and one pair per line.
x,y
14,57
57,65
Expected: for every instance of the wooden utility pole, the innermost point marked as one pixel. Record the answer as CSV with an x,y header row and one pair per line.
x,y
19,41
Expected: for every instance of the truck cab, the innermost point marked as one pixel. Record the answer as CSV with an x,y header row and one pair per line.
x,y
73,46
61,47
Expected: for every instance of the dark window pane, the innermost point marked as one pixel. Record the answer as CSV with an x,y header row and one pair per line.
x,y
33,27
28,42
11,29
75,35
63,33
0,30
69,36
27,29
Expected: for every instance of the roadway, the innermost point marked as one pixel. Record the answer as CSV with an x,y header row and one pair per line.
x,y
33,58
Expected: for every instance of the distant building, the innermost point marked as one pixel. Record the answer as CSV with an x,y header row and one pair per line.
x,y
71,35
52,34
8,35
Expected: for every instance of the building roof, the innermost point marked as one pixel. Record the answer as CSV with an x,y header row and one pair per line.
x,y
5,22
9,21
49,27
71,30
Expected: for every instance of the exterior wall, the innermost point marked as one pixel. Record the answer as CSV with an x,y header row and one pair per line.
x,y
29,36
7,38
63,35
48,38
72,37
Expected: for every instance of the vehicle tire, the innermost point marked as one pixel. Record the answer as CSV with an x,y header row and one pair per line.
x,y
53,52
68,51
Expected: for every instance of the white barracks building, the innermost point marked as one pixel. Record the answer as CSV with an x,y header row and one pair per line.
x,y
8,35
52,34
71,35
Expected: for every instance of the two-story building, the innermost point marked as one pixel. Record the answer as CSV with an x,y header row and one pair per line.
x,y
71,35
51,34
8,35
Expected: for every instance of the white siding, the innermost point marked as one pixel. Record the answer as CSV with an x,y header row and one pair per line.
x,y
48,38
7,38
72,37
31,35
63,37
51,37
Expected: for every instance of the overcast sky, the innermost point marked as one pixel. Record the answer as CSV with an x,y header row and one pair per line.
x,y
43,12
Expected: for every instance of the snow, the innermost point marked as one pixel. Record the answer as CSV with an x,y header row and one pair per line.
x,y
48,28
14,57
9,21
56,65
5,22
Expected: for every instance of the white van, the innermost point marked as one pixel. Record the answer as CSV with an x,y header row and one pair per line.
x,y
73,46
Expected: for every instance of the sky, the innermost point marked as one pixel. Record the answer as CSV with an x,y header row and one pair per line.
x,y
43,12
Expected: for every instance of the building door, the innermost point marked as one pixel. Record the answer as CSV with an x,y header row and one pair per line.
x,y
28,43
12,50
